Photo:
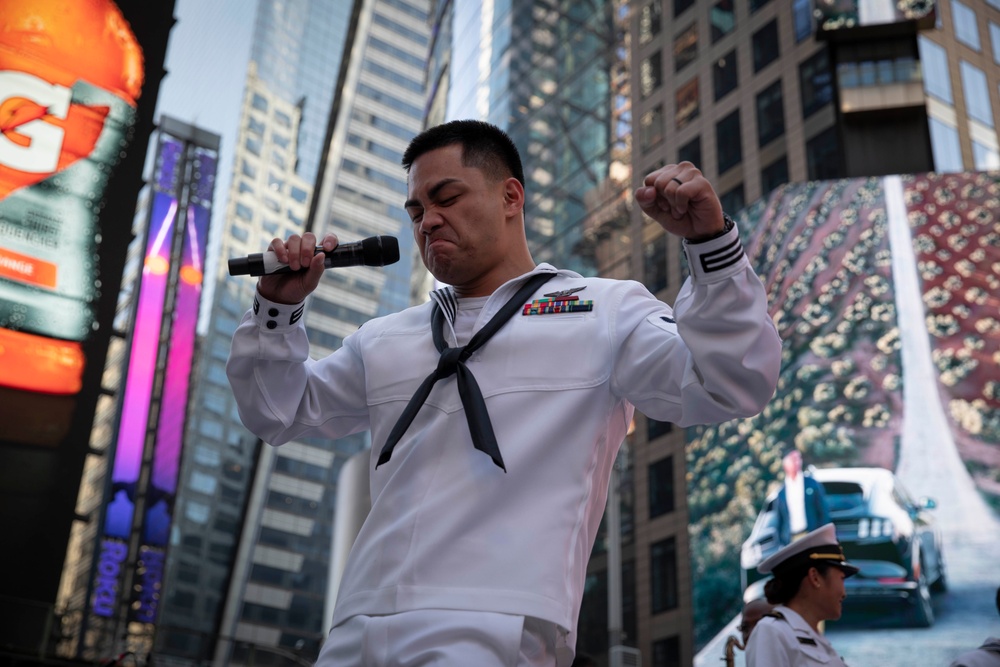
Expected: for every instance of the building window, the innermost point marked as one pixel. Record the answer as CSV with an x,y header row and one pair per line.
x,y
651,128
977,93
934,60
259,102
655,428
655,264
757,4
985,157
244,212
722,19
650,75
687,103
802,21
256,126
774,174
724,76
650,21
822,155
966,30
995,41
663,575
686,47
661,487
733,200
945,147
765,46
770,114
729,151
667,652
248,170
681,5
816,83
254,145
283,119
691,152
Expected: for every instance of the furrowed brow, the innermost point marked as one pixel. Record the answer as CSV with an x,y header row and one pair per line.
x,y
432,193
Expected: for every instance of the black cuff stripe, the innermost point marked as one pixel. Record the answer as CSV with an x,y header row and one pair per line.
x,y
296,315
721,258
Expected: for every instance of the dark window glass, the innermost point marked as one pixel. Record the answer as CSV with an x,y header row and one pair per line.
x,y
802,20
655,261
687,103
822,155
774,174
661,487
724,77
656,428
765,46
651,128
650,75
757,4
691,152
663,575
592,626
722,19
816,83
733,200
727,139
667,652
686,47
649,21
770,114
681,5
630,607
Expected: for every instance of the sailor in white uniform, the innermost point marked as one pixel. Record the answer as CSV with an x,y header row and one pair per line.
x,y
807,588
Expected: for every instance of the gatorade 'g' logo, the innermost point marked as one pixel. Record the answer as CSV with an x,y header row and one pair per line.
x,y
41,130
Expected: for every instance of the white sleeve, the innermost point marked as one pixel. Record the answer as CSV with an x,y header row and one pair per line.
x,y
282,393
716,356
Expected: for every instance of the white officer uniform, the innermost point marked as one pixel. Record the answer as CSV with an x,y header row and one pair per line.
x,y
448,529
783,638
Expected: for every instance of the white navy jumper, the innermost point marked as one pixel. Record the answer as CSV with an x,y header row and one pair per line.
x,y
448,528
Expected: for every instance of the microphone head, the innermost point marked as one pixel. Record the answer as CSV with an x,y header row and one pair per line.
x,y
239,266
380,250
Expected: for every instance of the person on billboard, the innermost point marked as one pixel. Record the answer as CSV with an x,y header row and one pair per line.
x,y
497,408
801,504
807,588
987,655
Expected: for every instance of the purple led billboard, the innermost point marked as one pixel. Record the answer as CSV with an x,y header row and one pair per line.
x,y
120,512
166,314
173,403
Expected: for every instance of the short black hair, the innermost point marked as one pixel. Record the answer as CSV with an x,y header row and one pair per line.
x,y
484,146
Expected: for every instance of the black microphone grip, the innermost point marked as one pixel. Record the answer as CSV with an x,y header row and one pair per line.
x,y
373,251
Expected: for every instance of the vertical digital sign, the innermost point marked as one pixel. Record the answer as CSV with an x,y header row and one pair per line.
x,y
155,395
138,390
173,403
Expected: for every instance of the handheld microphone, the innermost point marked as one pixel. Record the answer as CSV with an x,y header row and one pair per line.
x,y
373,251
